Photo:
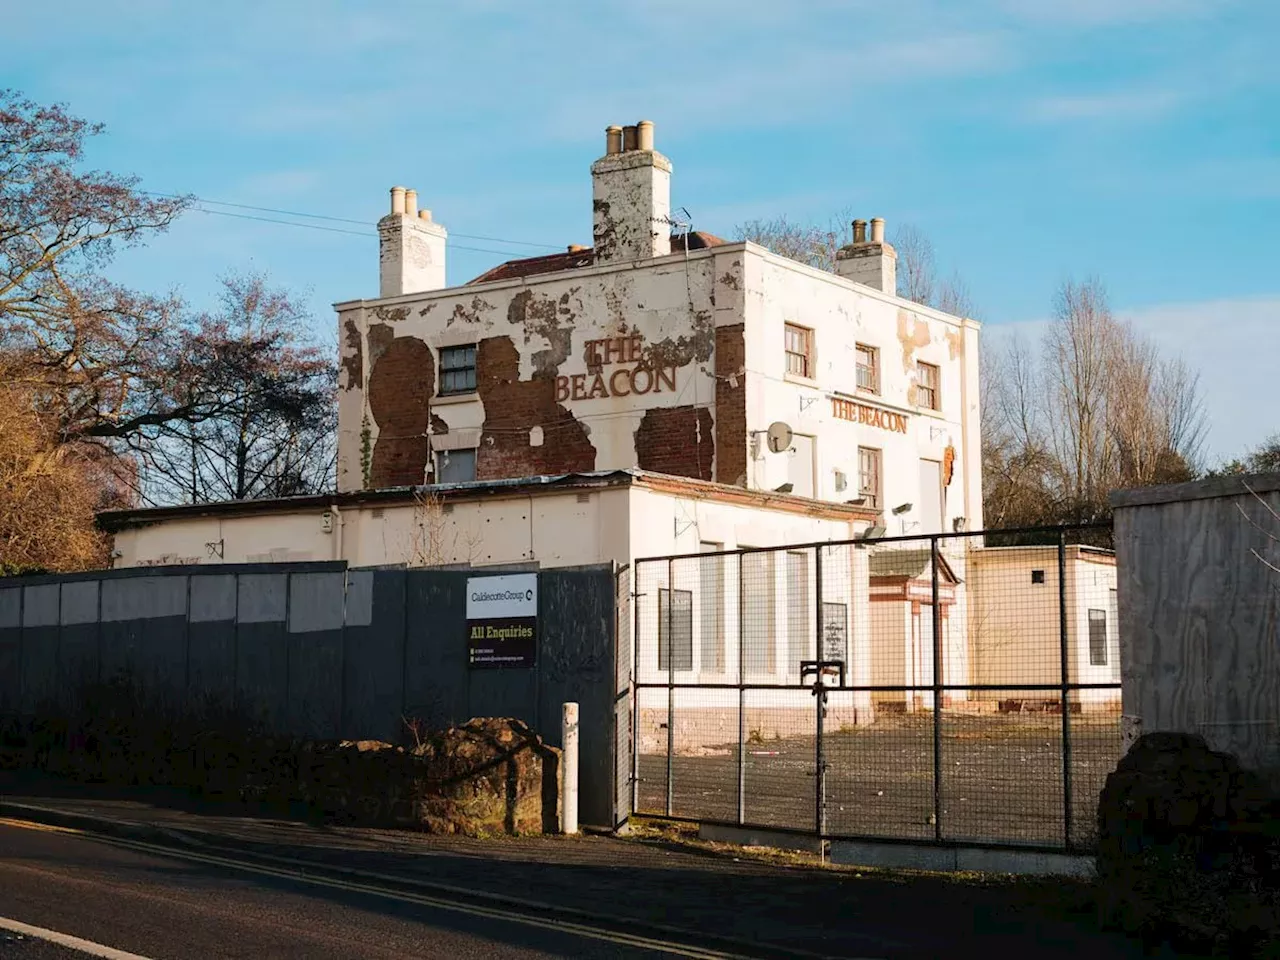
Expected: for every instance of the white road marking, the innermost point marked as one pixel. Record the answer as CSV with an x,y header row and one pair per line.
x,y
66,940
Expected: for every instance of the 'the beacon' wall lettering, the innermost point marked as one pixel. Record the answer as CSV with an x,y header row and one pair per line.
x,y
639,377
874,416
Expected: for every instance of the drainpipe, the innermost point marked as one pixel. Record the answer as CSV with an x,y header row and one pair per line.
x,y
337,540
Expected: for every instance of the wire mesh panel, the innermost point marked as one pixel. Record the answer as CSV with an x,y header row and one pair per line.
x,y
1096,748
704,758
1001,777
780,758
879,780
971,686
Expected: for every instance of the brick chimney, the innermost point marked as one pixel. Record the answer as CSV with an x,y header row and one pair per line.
x,y
872,262
631,196
410,248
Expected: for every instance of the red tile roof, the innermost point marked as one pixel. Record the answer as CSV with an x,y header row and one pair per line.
x,y
582,257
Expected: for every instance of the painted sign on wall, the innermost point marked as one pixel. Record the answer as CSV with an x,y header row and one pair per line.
x,y
873,416
502,620
630,373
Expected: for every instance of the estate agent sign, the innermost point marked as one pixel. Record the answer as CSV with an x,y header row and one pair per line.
x,y
502,620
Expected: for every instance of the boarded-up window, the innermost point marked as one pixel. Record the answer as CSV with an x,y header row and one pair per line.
x,y
758,624
1098,638
456,466
799,619
675,629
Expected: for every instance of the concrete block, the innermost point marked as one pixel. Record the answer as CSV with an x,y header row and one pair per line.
x,y
921,856
213,598
141,598
10,608
753,837
316,601
40,605
263,597
79,602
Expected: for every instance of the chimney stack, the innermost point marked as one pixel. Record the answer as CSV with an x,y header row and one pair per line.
x,y
872,262
631,196
411,248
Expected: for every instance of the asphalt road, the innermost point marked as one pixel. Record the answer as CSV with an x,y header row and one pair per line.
x,y
173,909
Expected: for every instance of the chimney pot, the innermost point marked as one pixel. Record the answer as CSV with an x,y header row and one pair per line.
x,y
628,139
411,203
612,139
877,230
424,214
859,231
644,135
576,248
397,200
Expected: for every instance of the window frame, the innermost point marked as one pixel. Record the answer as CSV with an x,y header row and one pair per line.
x,y
443,455
875,496
1098,653
681,624
446,370
934,390
789,328
873,354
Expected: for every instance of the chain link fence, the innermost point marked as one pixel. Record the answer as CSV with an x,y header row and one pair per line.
x,y
958,688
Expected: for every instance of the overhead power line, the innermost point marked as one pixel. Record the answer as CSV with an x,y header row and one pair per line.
x,y
323,216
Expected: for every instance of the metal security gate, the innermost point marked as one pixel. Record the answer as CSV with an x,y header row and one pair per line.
x,y
948,689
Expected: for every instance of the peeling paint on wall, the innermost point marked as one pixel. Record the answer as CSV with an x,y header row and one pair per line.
x,y
514,406
677,440
401,384
353,352
913,333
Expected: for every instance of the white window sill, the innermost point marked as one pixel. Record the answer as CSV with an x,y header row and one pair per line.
x,y
451,398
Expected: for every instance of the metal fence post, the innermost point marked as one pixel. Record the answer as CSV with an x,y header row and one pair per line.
x,y
671,678
1065,689
937,692
637,650
819,695
742,698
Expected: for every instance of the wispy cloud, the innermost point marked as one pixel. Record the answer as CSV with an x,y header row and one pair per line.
x,y
1138,104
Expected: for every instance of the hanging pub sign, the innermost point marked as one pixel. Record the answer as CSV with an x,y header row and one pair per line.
x,y
502,620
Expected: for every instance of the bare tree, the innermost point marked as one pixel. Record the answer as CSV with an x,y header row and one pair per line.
x,y
271,429
1099,408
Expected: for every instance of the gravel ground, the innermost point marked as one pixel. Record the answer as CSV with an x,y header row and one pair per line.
x,y
1002,779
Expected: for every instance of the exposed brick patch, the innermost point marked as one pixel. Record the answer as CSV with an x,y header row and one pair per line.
x,y
731,406
379,338
353,353
401,384
512,407
676,440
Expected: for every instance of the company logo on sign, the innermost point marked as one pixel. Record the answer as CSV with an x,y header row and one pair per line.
x,y
502,620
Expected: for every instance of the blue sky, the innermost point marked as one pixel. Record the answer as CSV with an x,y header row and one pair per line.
x,y
1032,140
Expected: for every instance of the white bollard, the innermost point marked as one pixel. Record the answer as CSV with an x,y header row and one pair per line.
x,y
569,770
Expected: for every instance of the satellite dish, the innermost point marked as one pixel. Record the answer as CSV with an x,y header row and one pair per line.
x,y
779,435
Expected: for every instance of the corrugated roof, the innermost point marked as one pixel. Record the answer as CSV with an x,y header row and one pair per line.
x,y
584,257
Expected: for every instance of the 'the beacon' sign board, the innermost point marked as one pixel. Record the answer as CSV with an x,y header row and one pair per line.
x,y
502,620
